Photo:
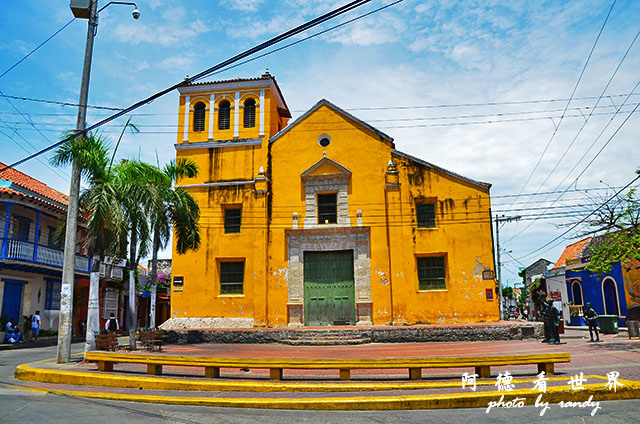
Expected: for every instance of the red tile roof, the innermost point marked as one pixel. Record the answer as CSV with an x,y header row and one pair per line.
x,y
26,182
572,251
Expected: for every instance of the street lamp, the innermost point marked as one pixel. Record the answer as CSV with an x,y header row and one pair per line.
x,y
87,9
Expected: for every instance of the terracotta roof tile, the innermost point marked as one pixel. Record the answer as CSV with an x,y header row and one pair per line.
x,y
31,184
572,251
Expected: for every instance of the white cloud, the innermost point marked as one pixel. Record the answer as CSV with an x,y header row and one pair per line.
x,y
168,35
243,5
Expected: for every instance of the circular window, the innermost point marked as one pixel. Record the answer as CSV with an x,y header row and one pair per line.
x,y
324,140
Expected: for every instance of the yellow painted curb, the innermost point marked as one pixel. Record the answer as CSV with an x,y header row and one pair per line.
x,y
594,392
27,372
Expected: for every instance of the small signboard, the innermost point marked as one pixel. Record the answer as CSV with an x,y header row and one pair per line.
x,y
489,294
178,282
488,274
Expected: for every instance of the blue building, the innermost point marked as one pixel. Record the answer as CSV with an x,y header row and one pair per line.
x,y
605,292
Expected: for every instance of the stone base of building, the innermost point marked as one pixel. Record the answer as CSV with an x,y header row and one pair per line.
x,y
193,323
382,334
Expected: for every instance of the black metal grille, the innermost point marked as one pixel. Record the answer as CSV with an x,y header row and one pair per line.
x,y
232,220
327,208
224,116
231,277
432,273
426,215
198,117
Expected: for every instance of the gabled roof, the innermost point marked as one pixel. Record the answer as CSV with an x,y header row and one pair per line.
x,y
445,171
345,114
20,183
572,251
326,160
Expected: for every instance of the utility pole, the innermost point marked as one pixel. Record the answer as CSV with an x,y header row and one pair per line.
x,y
65,325
81,9
498,220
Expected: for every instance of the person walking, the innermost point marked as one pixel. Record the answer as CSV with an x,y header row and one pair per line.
x,y
553,315
112,325
35,326
591,316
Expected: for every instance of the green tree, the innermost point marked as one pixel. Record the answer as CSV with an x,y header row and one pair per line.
x,y
176,209
140,181
618,223
100,206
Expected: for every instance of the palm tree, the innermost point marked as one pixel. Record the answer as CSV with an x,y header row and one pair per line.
x,y
100,204
177,209
140,181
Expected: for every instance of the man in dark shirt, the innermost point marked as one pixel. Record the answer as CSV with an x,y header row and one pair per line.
x,y
553,315
592,319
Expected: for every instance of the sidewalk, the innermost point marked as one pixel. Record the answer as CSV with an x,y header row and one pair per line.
x,y
369,389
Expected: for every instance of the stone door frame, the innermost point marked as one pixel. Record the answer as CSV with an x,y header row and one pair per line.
x,y
354,238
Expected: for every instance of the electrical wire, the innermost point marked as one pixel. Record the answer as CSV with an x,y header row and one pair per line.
x,y
555,131
288,34
604,90
37,47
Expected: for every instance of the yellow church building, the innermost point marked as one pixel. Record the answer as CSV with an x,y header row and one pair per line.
x,y
322,221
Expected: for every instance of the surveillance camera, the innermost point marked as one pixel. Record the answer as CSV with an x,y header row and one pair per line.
x,y
135,14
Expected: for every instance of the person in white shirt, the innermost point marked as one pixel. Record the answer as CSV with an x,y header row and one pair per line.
x,y
112,324
35,325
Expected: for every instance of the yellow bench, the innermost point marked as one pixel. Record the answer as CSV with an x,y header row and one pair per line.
x,y
212,365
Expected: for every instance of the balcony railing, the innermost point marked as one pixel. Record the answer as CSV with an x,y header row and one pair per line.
x,y
40,254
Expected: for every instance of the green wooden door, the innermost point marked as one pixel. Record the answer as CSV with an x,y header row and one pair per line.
x,y
329,295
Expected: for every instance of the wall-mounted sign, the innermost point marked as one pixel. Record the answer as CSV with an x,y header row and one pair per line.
x,y
178,282
489,294
488,274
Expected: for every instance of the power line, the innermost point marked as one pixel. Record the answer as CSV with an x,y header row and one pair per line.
x,y
555,131
288,34
430,118
582,220
400,107
34,50
313,127
585,154
604,90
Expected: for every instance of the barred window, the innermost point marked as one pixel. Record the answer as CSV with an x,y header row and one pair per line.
x,y
198,116
431,273
52,300
426,215
224,115
232,277
109,303
232,220
250,113
327,208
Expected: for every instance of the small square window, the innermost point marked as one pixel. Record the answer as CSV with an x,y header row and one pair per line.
x,y
232,277
431,273
426,215
327,208
232,220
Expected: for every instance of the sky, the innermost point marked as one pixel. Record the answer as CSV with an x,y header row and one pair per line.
x,y
497,91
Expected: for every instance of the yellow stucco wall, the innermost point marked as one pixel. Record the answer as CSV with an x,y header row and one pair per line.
x,y
385,197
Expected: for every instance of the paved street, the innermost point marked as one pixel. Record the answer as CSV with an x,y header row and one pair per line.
x,y
20,406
